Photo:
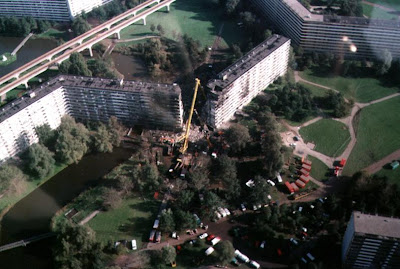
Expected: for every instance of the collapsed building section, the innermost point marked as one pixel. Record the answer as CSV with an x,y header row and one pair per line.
x,y
151,105
238,84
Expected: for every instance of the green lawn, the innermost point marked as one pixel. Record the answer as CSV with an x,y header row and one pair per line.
x,y
329,136
133,220
54,33
319,170
377,13
392,175
33,183
362,90
192,17
377,134
315,91
395,4
10,59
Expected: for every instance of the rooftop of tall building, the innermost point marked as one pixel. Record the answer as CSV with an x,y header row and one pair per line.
x,y
249,60
306,15
376,225
90,83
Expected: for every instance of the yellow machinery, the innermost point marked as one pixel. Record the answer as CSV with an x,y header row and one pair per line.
x,y
186,135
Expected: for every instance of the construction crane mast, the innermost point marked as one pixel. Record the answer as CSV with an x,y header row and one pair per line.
x,y
188,123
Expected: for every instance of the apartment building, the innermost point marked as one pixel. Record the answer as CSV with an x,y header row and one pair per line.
x,y
371,241
151,105
53,10
239,83
355,37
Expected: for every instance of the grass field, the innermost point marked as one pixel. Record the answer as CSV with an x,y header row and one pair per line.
x,y
377,132
315,91
329,136
192,17
392,175
132,220
378,13
10,59
319,170
362,90
8,201
395,4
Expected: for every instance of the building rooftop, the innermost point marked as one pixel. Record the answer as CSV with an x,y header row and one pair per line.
x,y
82,82
376,225
241,66
306,15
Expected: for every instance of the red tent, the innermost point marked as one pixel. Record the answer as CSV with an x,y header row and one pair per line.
x,y
342,162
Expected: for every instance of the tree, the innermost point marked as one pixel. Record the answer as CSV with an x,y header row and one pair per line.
x,y
226,169
111,199
168,254
12,180
72,141
76,247
248,19
116,130
40,160
199,179
101,68
47,136
160,29
225,251
185,199
76,65
43,26
184,220
233,190
152,27
125,184
351,8
167,222
211,203
230,6
237,136
151,177
259,194
236,51
102,139
385,62
80,26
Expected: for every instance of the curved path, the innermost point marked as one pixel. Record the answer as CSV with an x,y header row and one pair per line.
x,y
303,150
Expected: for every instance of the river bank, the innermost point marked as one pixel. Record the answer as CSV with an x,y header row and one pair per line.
x,y
32,214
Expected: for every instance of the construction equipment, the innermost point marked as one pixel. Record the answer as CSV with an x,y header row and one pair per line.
x,y
188,123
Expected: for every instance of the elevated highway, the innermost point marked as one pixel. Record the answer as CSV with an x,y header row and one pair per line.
x,y
85,41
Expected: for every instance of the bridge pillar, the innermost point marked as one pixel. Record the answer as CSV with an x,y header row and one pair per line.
x,y
3,97
168,7
118,35
144,20
26,84
90,51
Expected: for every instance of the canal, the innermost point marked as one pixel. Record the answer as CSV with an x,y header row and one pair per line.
x,y
32,215
31,50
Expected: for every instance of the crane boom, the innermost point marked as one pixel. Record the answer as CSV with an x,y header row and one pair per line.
x,y
186,135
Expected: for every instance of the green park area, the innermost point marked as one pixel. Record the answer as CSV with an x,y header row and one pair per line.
x,y
132,220
375,12
393,176
394,4
329,136
195,18
362,90
9,59
319,170
377,129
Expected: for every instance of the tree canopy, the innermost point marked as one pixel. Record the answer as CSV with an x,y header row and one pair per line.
x,y
40,161
237,136
12,180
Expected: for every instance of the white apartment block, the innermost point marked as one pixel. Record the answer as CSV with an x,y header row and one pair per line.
x,y
150,105
54,10
354,37
238,84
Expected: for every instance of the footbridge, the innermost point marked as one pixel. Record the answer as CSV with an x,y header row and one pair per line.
x,y
23,243
56,56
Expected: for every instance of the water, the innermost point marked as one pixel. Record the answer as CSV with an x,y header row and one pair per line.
x,y
133,68
32,49
31,216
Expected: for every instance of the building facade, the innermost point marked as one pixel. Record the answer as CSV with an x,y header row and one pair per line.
x,y
238,84
157,106
371,242
348,36
54,10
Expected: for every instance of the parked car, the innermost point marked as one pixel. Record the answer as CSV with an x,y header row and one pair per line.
x,y
294,241
215,240
227,212
209,251
210,237
262,245
204,235
218,215
152,234
133,244
158,236
242,207
222,211
270,182
254,264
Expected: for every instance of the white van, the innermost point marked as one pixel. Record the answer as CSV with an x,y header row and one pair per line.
x,y
241,256
209,251
254,264
156,223
134,246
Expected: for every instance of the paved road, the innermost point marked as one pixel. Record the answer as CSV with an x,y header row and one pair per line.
x,y
375,167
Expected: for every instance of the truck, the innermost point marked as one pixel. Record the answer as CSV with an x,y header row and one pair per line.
x,y
294,186
304,179
241,256
300,183
308,162
151,237
304,172
306,167
289,187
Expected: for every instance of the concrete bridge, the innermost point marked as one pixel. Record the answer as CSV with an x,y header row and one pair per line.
x,y
85,41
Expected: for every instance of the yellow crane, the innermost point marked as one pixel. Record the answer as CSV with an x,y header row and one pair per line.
x,y
189,121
